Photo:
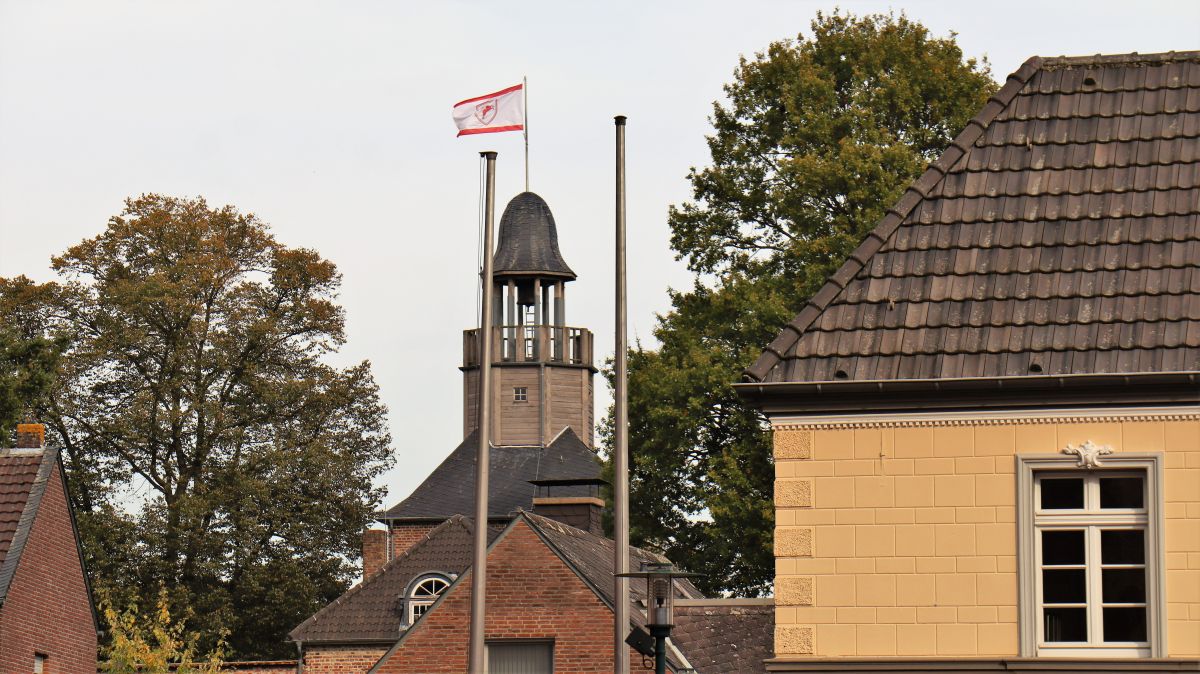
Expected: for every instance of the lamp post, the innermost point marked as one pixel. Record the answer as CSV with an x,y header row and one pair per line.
x,y
660,606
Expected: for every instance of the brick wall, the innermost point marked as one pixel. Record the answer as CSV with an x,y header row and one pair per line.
x,y
374,550
900,539
404,536
341,659
47,610
532,594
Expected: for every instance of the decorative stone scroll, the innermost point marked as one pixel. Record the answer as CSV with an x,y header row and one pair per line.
x,y
1089,453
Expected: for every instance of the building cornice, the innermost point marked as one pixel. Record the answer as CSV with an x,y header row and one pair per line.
x,y
986,418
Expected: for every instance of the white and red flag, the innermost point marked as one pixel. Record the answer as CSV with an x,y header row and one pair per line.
x,y
503,110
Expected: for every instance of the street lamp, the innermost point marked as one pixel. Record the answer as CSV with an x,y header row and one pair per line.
x,y
660,608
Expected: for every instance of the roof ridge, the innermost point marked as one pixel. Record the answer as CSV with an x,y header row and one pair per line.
x,y
916,192
1119,59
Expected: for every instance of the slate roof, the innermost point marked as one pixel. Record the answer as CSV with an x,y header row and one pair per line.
x,y
725,635
1058,235
527,244
450,488
373,610
23,477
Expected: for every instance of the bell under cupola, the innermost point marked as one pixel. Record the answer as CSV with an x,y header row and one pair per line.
x,y
542,368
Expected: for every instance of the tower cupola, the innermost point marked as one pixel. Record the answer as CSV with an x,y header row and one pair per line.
x,y
543,377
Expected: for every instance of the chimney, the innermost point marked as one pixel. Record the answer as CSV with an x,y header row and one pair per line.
x,y
374,550
575,503
31,436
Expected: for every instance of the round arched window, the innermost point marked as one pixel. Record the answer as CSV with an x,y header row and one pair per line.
x,y
423,594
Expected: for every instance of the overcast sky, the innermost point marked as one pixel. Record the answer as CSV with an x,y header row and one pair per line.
x,y
331,121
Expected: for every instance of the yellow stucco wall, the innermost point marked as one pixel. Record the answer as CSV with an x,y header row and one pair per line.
x,y
898,538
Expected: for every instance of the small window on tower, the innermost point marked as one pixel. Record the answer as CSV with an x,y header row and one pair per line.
x,y
520,394
39,664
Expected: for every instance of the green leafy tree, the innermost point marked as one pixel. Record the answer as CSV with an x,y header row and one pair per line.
x,y
27,365
211,448
818,137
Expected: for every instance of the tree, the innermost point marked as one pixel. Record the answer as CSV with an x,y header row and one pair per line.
x,y
819,137
26,370
211,449
153,642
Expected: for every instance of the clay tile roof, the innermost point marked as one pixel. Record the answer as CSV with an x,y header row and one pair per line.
x,y
373,609
23,477
1059,234
725,635
450,488
528,240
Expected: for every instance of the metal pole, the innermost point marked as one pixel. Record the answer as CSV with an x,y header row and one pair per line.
x,y
621,449
477,655
660,635
525,126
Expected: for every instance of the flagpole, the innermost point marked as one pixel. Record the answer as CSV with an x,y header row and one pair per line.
x,y
621,448
477,656
525,126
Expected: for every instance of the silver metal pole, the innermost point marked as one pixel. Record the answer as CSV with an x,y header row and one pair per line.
x,y
621,450
477,655
525,127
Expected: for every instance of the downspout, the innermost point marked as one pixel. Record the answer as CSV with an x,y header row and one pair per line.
x,y
299,657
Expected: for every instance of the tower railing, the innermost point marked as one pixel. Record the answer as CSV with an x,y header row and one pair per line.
x,y
532,344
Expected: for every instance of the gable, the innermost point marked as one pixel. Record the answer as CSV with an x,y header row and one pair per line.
x,y
23,478
532,594
1059,235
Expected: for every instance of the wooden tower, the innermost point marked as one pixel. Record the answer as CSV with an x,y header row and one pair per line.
x,y
542,376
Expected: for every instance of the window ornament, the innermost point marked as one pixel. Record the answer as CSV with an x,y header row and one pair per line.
x,y
1088,453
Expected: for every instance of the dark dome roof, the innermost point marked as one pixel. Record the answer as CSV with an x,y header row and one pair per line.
x,y
528,240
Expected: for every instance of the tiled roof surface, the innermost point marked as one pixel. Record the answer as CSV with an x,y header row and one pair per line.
x,y
450,488
528,240
592,556
24,474
374,609
1059,234
18,470
725,635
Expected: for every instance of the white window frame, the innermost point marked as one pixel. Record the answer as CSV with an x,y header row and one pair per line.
x,y
520,394
415,607
1030,522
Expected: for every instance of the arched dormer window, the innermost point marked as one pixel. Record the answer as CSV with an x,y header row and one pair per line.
x,y
422,593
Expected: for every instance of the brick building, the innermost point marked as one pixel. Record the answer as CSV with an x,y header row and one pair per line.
x,y
550,568
987,422
47,620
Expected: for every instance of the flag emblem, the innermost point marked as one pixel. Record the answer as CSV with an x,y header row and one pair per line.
x,y
485,112
502,110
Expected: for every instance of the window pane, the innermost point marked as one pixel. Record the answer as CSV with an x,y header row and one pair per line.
x,y
1121,492
1062,547
1124,586
1124,624
1062,493
1064,586
1122,547
1066,624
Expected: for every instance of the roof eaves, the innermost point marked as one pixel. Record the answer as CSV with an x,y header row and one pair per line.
x,y
921,188
25,524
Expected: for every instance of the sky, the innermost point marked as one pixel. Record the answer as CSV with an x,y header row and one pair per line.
x,y
331,122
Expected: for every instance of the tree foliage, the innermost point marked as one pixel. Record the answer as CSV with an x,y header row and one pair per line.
x,y
27,365
153,642
818,137
211,448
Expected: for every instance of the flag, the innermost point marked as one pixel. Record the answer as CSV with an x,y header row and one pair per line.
x,y
492,113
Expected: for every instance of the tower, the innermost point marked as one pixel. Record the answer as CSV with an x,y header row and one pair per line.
x,y
542,369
